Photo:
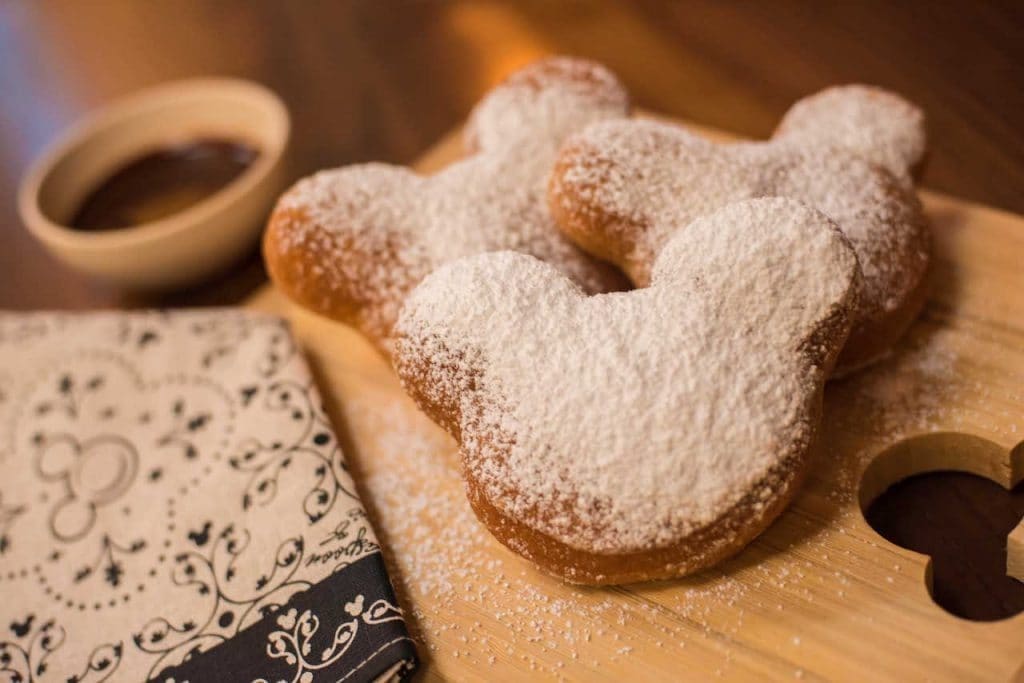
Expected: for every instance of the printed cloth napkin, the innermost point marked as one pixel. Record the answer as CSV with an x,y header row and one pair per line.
x,y
175,506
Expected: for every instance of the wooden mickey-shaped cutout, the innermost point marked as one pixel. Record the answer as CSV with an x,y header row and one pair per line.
x,y
966,517
621,188
350,243
644,434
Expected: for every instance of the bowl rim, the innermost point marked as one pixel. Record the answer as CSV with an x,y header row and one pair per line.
x,y
272,146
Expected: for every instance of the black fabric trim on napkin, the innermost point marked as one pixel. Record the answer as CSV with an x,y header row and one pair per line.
x,y
351,638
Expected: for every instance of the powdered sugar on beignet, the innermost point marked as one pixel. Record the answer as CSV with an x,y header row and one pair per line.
x,y
640,434
872,123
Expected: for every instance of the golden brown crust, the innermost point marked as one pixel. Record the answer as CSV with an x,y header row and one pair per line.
x,y
287,267
704,548
605,235
871,338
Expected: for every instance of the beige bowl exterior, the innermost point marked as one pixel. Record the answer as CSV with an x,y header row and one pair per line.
x,y
187,246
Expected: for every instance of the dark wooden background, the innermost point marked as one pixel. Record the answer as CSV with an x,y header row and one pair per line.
x,y
383,79
380,79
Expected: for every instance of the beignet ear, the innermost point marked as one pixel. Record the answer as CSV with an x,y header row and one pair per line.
x,y
869,122
553,97
335,242
439,320
744,256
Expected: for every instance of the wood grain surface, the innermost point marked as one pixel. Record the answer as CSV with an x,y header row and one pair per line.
x,y
819,596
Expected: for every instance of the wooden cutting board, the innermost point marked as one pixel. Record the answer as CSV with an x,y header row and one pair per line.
x,y
819,595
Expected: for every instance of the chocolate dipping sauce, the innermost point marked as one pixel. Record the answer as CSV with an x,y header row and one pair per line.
x,y
163,183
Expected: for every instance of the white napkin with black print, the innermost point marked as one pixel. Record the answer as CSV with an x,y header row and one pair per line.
x,y
174,506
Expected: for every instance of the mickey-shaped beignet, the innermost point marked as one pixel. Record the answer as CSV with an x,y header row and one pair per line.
x,y
351,243
621,189
646,434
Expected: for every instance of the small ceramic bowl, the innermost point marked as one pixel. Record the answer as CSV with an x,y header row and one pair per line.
x,y
186,246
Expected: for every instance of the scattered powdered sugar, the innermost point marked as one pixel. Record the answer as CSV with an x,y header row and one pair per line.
x,y
472,600
936,381
694,390
911,395
636,182
366,234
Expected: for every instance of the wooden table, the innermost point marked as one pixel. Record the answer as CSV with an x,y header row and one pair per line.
x,y
384,80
